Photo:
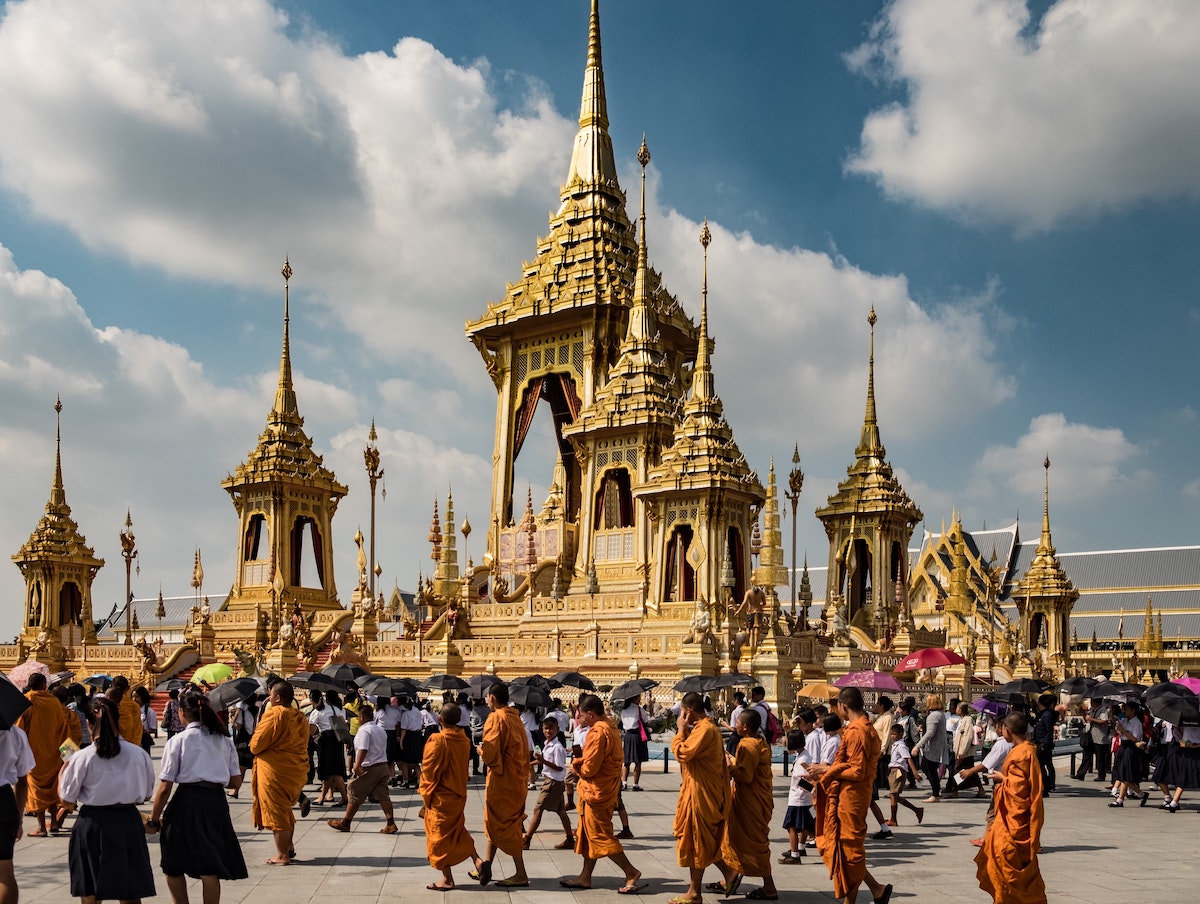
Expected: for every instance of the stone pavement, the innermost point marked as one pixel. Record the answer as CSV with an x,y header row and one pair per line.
x,y
1091,854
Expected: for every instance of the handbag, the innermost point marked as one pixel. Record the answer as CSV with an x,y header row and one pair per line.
x,y
341,730
642,733
241,744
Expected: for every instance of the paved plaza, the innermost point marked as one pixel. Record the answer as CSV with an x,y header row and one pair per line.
x,y
1091,854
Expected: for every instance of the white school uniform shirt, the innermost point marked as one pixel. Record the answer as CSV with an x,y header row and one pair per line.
x,y
372,738
323,718
631,715
127,778
829,747
410,719
797,796
579,733
16,756
900,755
997,755
562,718
554,760
1133,726
1190,735
195,755
387,716
529,720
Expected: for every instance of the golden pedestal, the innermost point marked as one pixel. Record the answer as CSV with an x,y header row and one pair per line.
x,y
841,661
696,659
445,659
205,639
774,672
283,661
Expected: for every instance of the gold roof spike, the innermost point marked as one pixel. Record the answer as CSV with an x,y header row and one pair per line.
x,y
1045,578
870,442
592,159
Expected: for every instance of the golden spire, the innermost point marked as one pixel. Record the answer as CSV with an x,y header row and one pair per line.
x,y
641,318
870,442
1045,543
58,494
285,394
592,158
435,534
703,387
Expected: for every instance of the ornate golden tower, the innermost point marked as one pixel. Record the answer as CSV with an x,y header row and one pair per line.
x,y
557,336
1044,598
869,522
285,499
58,567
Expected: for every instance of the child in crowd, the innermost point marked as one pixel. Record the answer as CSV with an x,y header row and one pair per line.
x,y
552,757
900,767
799,818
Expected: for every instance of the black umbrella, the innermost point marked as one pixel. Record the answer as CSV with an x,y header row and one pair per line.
x,y
528,695
383,686
12,704
343,672
574,679
631,689
444,683
732,679
1022,686
100,681
1017,699
693,684
1178,709
479,684
58,677
227,693
315,681
1077,685
1120,691
172,684
546,684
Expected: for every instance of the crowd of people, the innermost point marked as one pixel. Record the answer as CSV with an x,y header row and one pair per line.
x,y
86,752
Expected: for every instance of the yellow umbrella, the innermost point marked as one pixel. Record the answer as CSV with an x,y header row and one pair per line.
x,y
819,689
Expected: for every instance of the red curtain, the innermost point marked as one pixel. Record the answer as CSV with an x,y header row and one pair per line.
x,y
318,556
533,392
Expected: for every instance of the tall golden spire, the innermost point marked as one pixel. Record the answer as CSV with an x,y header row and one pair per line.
x,y
870,442
703,386
58,494
285,393
641,318
592,158
1045,543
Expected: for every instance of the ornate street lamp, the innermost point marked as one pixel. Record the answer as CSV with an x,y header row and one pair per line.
x,y
129,553
592,587
374,475
795,484
160,612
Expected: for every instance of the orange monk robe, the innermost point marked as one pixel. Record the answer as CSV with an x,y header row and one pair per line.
x,y
443,790
280,748
506,755
704,796
597,790
131,720
46,725
843,799
1007,864
746,849
74,729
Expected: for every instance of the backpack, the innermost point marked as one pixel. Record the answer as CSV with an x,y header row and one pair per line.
x,y
772,730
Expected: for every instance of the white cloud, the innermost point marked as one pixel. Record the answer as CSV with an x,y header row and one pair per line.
x,y
1087,463
1091,109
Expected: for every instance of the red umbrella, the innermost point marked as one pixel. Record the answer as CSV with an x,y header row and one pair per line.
x,y
931,658
880,681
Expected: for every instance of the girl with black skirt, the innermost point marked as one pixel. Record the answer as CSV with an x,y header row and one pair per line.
x,y
1128,769
108,856
331,753
197,833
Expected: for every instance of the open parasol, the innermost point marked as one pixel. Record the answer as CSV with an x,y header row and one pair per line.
x,y
931,658
228,693
12,704
20,674
693,684
344,672
819,690
444,683
530,696
731,679
574,679
880,681
213,673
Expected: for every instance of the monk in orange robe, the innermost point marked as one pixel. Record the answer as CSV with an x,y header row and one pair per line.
x,y
46,725
131,716
598,783
505,752
704,795
1007,863
843,797
746,850
280,748
443,790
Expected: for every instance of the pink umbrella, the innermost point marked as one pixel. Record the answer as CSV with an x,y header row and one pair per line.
x,y
19,674
932,658
1192,684
880,681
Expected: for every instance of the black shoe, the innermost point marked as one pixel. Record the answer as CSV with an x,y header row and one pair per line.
x,y
1117,803
1145,797
882,834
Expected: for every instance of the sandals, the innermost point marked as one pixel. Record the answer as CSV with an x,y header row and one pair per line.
x,y
483,874
757,894
729,889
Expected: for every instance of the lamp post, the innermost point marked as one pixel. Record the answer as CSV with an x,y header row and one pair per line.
x,y
128,553
593,587
555,597
160,612
728,582
374,475
795,485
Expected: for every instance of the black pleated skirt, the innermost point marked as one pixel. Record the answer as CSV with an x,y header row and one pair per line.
x,y
331,756
1129,763
197,835
108,856
1180,767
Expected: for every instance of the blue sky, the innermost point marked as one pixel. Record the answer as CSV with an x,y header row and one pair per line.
x,y
1014,189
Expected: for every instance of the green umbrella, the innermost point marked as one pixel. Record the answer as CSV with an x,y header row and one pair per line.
x,y
213,673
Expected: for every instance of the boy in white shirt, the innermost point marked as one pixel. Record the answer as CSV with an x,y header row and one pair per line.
x,y
900,767
553,759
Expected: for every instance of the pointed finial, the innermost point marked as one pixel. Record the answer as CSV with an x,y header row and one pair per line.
x,y
286,271
641,320
592,159
372,436
58,494
869,443
285,394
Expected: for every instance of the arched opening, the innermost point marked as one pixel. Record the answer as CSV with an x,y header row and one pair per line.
x,y
70,604
857,588
679,578
34,605
614,500
1037,625
737,559
257,543
305,571
558,390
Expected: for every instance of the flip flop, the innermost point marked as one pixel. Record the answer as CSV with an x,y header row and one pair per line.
x,y
680,899
512,883
635,889
433,886
886,896
733,884
482,875
567,883
757,894
274,862
37,834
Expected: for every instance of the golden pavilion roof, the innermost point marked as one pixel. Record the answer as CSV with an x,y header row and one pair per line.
x,y
1045,577
590,257
284,450
870,484
57,535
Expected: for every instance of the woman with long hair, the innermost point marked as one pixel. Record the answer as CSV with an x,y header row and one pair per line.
x,y
108,856
331,753
933,746
149,719
197,833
